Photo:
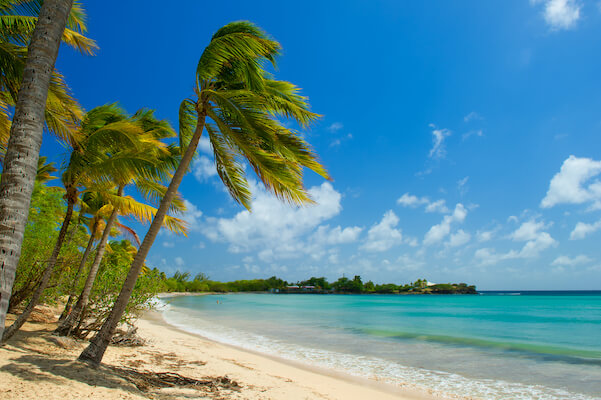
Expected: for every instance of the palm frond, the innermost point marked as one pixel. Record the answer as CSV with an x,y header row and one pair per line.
x,y
229,169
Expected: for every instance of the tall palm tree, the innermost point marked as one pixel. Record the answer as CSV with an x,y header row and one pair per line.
x,y
243,105
111,147
20,162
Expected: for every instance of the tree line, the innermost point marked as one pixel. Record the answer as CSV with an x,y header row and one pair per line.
x,y
55,242
183,282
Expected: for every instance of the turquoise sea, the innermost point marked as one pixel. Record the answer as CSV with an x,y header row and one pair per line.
x,y
496,345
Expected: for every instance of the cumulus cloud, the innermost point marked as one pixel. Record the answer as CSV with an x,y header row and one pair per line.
x,y
438,136
384,235
530,232
560,14
459,238
536,239
204,168
204,145
571,184
485,236
565,261
191,216
409,200
179,261
336,235
582,230
276,230
437,206
438,232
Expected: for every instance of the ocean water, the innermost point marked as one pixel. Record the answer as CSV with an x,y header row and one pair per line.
x,y
496,345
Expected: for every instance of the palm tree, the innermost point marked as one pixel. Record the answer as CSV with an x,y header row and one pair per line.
x,y
20,162
91,204
112,147
149,187
243,105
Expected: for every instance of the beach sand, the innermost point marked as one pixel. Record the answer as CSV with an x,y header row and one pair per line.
x,y
36,365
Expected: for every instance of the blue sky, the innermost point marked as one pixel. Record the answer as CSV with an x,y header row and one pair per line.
x,y
463,138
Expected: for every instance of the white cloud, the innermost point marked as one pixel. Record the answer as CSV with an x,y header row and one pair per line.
x,y
569,185
570,262
179,261
335,127
438,135
437,206
336,235
438,232
536,240
279,231
204,168
485,236
459,238
529,232
168,244
191,216
408,200
560,14
204,145
384,235
581,230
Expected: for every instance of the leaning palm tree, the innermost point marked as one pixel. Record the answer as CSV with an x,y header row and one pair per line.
x,y
239,105
20,162
91,204
111,147
163,162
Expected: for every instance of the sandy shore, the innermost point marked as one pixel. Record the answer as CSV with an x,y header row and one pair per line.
x,y
35,364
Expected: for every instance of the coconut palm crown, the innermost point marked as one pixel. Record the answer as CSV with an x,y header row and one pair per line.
x,y
244,105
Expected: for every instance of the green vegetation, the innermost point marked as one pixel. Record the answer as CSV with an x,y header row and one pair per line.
x,y
45,216
181,282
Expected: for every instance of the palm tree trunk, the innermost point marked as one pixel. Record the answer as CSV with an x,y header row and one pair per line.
x,y
11,330
65,328
21,160
95,350
82,264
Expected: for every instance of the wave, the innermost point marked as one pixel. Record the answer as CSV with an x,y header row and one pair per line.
x,y
439,382
546,352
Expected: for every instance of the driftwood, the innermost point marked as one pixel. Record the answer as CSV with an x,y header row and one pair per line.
x,y
147,380
127,338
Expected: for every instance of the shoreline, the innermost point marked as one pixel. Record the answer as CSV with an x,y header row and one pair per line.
x,y
35,364
345,386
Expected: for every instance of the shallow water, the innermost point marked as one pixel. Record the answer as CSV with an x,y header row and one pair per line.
x,y
501,345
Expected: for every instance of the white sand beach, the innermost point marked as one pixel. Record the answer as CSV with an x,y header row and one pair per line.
x,y
35,365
